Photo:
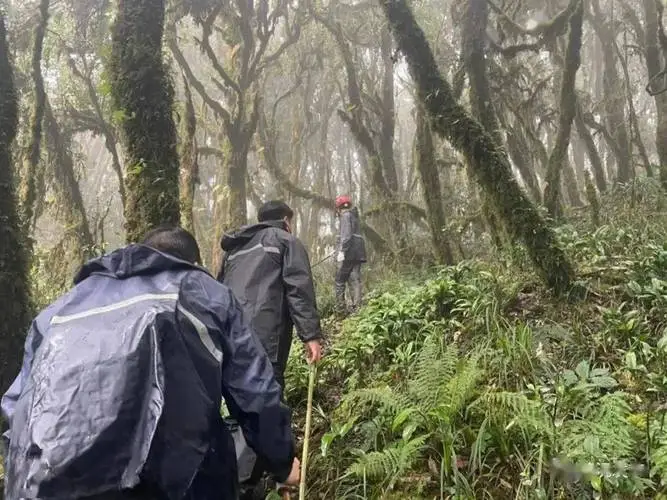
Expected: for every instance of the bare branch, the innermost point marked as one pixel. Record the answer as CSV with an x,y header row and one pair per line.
x,y
208,151
545,32
217,108
205,45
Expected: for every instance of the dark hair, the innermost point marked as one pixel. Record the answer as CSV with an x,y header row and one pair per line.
x,y
274,210
174,241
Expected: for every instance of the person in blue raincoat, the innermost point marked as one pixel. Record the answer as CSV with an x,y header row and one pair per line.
x,y
123,378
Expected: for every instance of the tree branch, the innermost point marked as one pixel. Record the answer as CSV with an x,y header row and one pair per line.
x,y
217,108
544,32
205,44
271,162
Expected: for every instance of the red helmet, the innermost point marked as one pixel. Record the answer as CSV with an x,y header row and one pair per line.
x,y
343,200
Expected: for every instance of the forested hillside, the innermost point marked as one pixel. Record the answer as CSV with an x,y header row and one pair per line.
x,y
509,162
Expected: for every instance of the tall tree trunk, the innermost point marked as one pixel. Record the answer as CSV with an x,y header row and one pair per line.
x,y
231,210
568,111
474,58
388,111
614,104
32,153
571,183
430,180
237,166
142,92
579,158
654,65
593,153
77,229
323,164
489,163
632,114
14,289
189,175
519,152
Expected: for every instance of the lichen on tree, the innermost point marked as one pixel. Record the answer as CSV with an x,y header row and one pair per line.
x,y
32,151
73,212
568,111
189,166
143,95
489,162
655,64
430,180
14,289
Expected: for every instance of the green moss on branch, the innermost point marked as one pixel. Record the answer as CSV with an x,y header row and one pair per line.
x,y
14,291
489,162
143,98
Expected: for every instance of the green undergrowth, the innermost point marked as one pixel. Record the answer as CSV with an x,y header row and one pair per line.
x,y
478,383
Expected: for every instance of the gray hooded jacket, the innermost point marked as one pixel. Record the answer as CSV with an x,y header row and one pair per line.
x,y
268,270
350,241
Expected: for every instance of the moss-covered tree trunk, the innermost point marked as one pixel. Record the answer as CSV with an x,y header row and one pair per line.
x,y
32,153
571,183
388,112
189,166
654,64
474,58
489,162
635,129
518,150
77,229
430,180
593,201
614,100
143,95
567,112
237,168
14,290
592,151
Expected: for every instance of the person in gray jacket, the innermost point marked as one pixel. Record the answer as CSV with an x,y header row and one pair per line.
x,y
268,270
350,253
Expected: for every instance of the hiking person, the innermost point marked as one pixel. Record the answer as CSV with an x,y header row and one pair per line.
x,y
350,253
123,378
268,270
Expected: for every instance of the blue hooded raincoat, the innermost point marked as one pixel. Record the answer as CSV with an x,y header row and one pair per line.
x,y
122,383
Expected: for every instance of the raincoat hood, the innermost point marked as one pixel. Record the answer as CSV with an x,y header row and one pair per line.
x,y
237,239
133,260
268,270
109,369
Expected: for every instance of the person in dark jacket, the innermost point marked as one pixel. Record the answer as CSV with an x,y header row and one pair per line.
x,y
350,253
123,378
268,270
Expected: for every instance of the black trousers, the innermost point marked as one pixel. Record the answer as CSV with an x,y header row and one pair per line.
x,y
258,484
141,492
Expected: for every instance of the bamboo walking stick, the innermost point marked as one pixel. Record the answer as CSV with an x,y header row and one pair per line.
x,y
306,438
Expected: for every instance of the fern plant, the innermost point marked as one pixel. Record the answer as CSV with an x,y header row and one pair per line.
x,y
421,416
574,419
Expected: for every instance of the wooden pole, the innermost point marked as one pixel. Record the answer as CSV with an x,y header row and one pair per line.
x,y
306,438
